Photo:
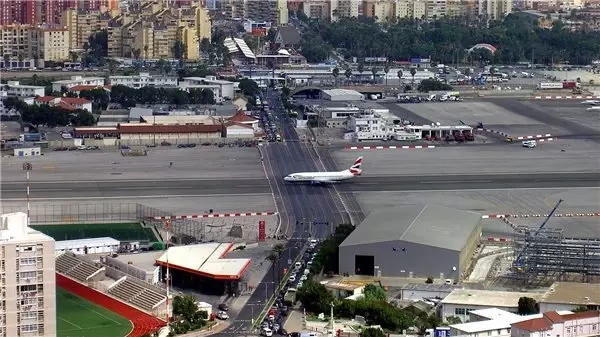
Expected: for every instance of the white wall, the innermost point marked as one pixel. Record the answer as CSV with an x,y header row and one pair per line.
x,y
451,310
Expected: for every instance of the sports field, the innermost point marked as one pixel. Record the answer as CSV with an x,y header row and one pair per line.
x,y
77,317
117,231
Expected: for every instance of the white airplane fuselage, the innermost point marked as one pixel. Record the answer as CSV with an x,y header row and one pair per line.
x,y
319,176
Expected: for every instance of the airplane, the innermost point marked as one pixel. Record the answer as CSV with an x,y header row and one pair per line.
x,y
594,108
327,177
591,102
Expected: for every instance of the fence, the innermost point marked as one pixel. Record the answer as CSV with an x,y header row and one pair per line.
x,y
42,214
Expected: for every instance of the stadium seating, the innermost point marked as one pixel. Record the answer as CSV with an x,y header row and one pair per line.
x,y
136,294
69,264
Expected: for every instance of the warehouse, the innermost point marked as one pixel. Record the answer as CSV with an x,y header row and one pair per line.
x,y
412,241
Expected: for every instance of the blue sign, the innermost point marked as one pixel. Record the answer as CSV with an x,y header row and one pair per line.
x,y
442,332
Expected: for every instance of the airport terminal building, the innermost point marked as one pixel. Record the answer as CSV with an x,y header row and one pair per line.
x,y
412,241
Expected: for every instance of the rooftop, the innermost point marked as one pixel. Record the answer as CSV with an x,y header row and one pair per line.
x,y
75,79
503,320
429,225
180,120
90,243
573,293
341,286
501,299
14,230
206,259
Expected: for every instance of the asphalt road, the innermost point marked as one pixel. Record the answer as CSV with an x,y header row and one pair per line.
x,y
297,199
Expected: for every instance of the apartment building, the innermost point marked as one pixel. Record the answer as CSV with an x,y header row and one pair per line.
x,y
343,9
317,9
436,9
82,24
41,43
144,80
494,9
381,10
151,32
28,287
411,9
24,12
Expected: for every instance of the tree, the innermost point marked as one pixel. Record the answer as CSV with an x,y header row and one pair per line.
x,y
386,70
136,53
528,306
335,73
205,46
374,293
6,59
372,332
581,308
314,297
432,85
348,73
178,50
413,72
374,71
328,258
146,51
453,320
360,68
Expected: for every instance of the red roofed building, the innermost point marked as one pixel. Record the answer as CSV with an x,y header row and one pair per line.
x,y
79,88
241,125
581,324
68,103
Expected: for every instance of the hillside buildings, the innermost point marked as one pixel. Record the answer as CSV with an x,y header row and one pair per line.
x,y
40,43
273,11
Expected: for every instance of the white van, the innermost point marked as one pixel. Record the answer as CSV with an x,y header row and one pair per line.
x,y
530,143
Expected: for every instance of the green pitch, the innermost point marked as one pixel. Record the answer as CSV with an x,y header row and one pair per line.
x,y
77,317
117,231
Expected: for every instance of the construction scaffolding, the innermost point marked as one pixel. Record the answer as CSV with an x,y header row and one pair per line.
x,y
544,255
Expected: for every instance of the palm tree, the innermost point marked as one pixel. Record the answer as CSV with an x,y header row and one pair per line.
x,y
360,68
348,73
136,54
386,70
145,52
73,56
335,73
413,72
374,71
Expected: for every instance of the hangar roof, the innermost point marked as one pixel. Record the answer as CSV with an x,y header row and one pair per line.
x,y
430,225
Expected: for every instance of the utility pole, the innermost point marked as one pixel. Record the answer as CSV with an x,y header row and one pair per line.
x,y
27,167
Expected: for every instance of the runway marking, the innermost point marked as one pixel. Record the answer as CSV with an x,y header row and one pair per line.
x,y
455,181
41,190
146,197
477,190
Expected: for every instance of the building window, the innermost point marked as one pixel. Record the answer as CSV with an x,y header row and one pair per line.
x,y
594,327
568,330
459,311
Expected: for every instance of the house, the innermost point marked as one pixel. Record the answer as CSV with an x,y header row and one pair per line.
x,y
287,37
343,290
67,103
240,103
553,324
222,89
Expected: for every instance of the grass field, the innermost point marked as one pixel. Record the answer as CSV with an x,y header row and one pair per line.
x,y
77,317
117,231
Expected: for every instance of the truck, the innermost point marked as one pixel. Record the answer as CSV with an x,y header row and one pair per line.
x,y
550,85
570,85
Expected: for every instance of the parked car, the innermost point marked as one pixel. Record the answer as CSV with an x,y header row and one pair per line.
x,y
222,315
223,307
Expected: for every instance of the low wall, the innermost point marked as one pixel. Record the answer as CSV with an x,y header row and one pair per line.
x,y
150,277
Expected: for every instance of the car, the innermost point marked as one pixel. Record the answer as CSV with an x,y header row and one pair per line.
x,y
222,315
299,285
303,278
267,332
223,307
294,334
292,278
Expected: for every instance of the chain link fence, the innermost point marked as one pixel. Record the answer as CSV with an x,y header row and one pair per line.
x,y
78,213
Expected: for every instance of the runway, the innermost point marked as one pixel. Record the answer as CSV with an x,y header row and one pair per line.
x,y
305,193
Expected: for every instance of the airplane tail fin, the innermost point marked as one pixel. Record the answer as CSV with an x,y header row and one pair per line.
x,y
355,168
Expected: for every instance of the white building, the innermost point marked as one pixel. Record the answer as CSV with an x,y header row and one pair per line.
x,y
492,322
226,88
87,246
77,80
14,88
368,127
27,152
581,324
28,284
461,302
343,95
144,80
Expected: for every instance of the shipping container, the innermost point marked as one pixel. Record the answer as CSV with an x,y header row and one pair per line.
x,y
30,137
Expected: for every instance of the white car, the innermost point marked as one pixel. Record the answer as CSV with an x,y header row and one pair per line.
x,y
299,285
222,315
267,332
530,143
292,278
303,278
